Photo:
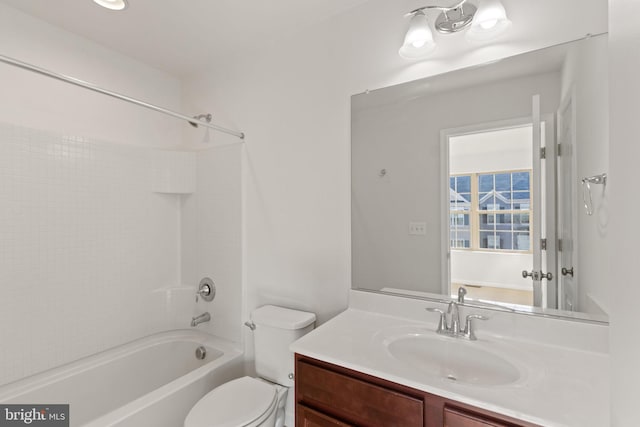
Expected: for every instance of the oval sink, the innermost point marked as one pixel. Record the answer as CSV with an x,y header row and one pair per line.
x,y
453,359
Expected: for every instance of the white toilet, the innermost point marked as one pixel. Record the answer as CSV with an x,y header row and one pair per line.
x,y
252,402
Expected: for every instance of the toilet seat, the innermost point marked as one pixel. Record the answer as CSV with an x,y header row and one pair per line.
x,y
241,402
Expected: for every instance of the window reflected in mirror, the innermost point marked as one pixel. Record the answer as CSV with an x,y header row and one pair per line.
x,y
490,211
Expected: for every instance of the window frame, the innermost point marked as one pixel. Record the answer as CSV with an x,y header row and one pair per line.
x,y
475,213
458,213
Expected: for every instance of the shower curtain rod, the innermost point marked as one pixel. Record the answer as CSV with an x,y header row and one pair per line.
x,y
95,88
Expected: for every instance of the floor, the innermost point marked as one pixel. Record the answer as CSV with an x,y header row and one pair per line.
x,y
511,296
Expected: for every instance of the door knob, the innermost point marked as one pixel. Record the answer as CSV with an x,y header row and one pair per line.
x,y
567,271
536,275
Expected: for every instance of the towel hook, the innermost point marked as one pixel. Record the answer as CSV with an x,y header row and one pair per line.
x,y
586,190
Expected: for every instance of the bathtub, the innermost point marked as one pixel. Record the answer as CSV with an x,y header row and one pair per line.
x,y
153,381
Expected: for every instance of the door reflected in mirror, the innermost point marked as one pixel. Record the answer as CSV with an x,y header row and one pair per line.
x,y
473,179
490,213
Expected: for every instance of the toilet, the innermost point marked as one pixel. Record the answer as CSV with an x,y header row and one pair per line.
x,y
253,402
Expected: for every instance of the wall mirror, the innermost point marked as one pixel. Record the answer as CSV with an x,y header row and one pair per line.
x,y
490,179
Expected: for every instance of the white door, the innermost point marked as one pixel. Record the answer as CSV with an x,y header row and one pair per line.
x,y
543,229
567,222
536,202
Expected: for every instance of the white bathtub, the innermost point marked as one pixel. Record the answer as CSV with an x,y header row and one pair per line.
x,y
151,382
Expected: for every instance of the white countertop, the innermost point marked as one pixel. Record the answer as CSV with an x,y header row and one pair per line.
x,y
560,386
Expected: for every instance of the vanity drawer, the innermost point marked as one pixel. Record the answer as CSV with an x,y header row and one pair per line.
x,y
457,418
307,417
355,401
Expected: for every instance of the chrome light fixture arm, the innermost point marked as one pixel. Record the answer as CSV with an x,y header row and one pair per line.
x,y
452,18
434,7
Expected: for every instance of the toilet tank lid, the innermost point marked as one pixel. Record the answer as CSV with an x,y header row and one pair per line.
x,y
283,318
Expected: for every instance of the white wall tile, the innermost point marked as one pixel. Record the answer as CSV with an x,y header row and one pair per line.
x,y
212,239
84,242
174,172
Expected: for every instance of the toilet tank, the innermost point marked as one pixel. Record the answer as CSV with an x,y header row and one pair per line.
x,y
276,328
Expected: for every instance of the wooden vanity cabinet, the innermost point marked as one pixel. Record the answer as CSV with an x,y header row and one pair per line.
x,y
328,395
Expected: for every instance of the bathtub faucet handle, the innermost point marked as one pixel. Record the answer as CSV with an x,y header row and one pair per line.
x,y
206,290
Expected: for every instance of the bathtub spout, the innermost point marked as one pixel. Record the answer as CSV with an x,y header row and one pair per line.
x,y
204,317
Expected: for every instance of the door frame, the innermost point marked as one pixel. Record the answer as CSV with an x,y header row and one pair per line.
x,y
568,100
549,212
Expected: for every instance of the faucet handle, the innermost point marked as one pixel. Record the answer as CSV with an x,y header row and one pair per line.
x,y
462,291
468,329
206,290
442,324
477,316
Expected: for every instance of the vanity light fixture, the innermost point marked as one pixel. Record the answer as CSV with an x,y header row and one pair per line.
x,y
485,22
112,4
419,39
490,21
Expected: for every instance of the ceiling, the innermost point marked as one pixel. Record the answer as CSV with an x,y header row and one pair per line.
x,y
183,37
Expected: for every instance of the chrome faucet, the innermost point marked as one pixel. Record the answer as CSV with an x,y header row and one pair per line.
x,y
454,317
454,314
204,317
461,293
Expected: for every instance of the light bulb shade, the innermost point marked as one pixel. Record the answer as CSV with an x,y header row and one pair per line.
x,y
418,42
489,22
112,4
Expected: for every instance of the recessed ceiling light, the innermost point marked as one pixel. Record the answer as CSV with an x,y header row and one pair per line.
x,y
112,4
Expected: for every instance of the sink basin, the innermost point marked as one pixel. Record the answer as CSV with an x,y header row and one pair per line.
x,y
453,359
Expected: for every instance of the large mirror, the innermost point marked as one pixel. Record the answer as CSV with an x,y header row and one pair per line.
x,y
488,184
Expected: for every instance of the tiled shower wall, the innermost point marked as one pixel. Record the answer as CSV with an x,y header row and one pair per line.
x,y
211,234
86,248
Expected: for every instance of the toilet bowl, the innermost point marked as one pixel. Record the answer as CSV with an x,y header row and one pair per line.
x,y
253,402
246,401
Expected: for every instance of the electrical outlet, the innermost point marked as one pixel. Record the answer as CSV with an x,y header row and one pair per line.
x,y
417,228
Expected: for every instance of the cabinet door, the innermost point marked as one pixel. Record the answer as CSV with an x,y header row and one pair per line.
x,y
456,418
359,402
306,417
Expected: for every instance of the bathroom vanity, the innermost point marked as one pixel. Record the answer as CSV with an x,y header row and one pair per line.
x,y
330,395
381,363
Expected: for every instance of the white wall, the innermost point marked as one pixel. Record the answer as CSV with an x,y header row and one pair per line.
x,y
43,103
585,72
291,97
624,42
404,139
476,152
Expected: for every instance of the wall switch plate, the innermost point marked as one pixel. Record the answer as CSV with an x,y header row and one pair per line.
x,y
417,228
